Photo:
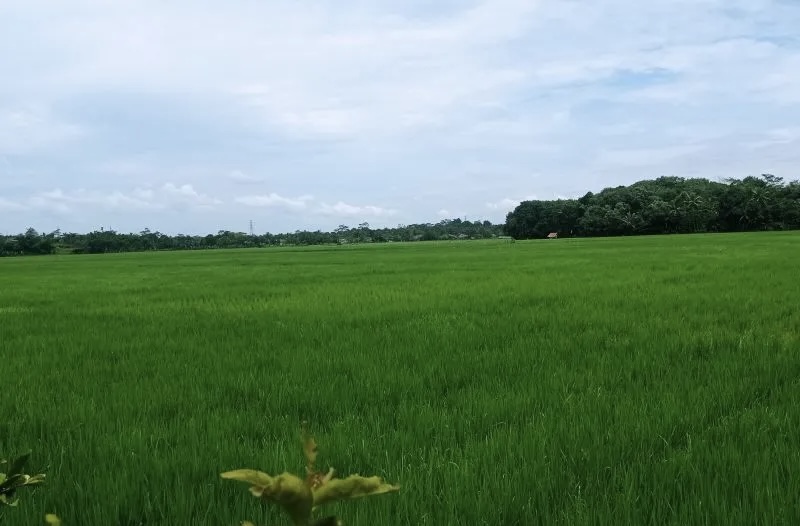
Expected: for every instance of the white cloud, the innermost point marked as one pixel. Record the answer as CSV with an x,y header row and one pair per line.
x,y
778,136
240,177
323,69
275,200
60,201
783,87
136,166
508,204
309,203
355,99
26,129
310,69
341,209
646,156
186,194
167,196
10,206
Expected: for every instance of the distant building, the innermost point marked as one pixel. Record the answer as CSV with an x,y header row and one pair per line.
x,y
552,235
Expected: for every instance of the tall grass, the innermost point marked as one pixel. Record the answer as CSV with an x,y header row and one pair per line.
x,y
606,381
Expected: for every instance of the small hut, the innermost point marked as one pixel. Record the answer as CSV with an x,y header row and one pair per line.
x,y
552,235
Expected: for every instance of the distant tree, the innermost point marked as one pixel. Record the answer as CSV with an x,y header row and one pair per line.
x,y
664,205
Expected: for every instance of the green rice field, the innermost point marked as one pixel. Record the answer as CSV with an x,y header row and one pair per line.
x,y
626,381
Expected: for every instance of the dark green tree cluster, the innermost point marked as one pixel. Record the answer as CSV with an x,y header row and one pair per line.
x,y
104,241
31,242
667,205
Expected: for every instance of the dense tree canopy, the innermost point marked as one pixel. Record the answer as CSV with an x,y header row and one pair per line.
x,y
32,242
664,206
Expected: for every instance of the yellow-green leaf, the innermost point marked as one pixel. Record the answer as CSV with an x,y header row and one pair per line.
x,y
251,476
37,479
52,520
287,490
352,487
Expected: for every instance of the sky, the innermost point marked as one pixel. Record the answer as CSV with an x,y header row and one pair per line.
x,y
193,116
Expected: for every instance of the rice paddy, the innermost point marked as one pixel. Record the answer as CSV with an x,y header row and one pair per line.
x,y
623,381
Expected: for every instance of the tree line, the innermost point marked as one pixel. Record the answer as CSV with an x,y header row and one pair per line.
x,y
102,241
667,205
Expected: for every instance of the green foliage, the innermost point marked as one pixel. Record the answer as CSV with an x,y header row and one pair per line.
x,y
29,243
666,205
626,381
108,241
13,478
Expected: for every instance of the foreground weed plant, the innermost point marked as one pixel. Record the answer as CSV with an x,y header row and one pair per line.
x,y
301,497
13,477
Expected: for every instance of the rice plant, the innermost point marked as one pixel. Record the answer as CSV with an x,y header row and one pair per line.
x,y
618,381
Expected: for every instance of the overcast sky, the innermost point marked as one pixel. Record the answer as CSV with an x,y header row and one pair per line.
x,y
194,116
